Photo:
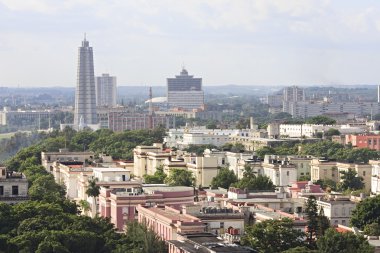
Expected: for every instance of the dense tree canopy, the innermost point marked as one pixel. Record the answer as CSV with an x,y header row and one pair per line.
x,y
157,178
335,242
180,177
48,222
366,212
253,182
272,236
350,181
224,179
323,120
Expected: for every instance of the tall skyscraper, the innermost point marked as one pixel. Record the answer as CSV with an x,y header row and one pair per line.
x,y
106,90
85,97
185,92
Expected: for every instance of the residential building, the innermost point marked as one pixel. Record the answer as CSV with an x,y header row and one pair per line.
x,y
204,242
106,90
204,169
185,91
282,173
13,186
375,177
322,169
305,189
48,158
371,141
147,158
362,170
85,95
337,209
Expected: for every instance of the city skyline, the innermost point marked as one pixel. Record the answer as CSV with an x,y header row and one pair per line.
x,y
250,42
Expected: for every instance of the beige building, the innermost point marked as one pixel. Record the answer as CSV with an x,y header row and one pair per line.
x,y
337,208
48,158
204,169
324,169
147,158
362,170
13,186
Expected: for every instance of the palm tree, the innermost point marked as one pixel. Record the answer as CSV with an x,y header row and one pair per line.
x,y
93,190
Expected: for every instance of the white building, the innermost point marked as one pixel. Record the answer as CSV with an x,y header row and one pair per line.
x,y
106,90
337,209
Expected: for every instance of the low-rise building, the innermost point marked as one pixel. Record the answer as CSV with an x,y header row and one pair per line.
x,y
337,209
120,204
204,169
48,158
147,158
13,186
371,141
168,222
205,243
322,169
362,170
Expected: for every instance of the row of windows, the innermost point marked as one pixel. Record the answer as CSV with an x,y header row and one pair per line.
x,y
14,190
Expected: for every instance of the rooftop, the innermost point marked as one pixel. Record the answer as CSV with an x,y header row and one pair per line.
x,y
151,189
110,169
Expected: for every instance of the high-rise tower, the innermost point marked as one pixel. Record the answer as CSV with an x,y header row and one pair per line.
x,y
85,96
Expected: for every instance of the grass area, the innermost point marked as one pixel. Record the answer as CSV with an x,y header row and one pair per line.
x,y
7,135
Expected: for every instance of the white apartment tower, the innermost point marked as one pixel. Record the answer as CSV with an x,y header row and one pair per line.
x,y
106,90
185,92
85,97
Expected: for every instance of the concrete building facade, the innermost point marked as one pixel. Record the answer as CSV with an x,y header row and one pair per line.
x,y
106,90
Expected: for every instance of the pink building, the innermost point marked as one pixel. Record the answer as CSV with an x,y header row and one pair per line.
x,y
168,222
305,189
120,204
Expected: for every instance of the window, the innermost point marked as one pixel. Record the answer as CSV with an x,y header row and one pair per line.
x,y
1,190
363,173
343,222
123,177
369,142
15,190
223,161
222,225
3,172
287,173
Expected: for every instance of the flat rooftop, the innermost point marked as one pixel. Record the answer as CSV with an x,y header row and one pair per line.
x,y
109,169
151,189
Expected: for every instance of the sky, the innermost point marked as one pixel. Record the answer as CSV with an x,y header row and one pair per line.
x,y
143,42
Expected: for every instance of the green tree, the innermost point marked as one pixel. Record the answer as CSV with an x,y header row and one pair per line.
x,y
46,189
272,236
322,120
224,179
93,190
335,242
302,249
311,211
180,177
366,212
350,181
252,182
372,229
158,177
331,132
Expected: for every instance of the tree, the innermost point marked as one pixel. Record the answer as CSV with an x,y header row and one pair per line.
x,y
311,211
46,189
158,177
366,212
350,181
224,179
272,236
180,177
93,190
372,229
252,182
300,250
331,132
323,223
320,120
335,242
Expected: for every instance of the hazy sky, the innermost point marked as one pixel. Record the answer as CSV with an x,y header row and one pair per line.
x,y
224,41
